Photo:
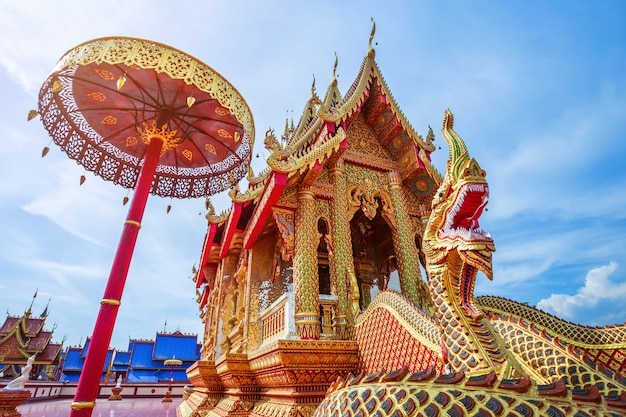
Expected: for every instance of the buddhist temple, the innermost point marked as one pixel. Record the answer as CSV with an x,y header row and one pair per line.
x,y
340,282
24,336
143,361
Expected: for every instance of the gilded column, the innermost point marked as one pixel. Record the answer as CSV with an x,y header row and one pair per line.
x,y
228,291
305,275
214,309
247,300
407,256
342,246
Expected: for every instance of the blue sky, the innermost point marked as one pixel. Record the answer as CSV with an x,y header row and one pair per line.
x,y
538,90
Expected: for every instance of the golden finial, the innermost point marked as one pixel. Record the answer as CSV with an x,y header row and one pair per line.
x,y
210,210
335,68
286,130
370,48
313,86
31,303
430,137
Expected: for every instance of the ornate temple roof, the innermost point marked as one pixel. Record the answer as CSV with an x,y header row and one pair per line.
x,y
318,139
24,336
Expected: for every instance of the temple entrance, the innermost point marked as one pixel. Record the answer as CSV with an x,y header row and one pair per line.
x,y
373,254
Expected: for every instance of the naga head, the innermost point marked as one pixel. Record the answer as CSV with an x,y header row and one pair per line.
x,y
453,224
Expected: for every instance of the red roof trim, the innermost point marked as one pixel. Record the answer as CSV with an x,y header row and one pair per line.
x,y
206,250
271,194
229,231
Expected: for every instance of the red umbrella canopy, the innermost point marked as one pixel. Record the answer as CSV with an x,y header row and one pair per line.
x,y
106,97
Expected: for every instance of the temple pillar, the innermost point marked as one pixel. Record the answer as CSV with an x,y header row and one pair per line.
x,y
211,319
342,246
407,255
247,301
305,274
228,299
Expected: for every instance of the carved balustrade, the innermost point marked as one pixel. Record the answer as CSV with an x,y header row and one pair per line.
x,y
277,321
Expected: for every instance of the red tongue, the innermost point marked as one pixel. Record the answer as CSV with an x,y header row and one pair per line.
x,y
471,222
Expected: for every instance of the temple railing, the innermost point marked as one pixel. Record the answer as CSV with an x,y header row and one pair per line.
x,y
277,321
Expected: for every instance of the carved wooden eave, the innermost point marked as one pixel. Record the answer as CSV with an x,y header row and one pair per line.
x,y
204,297
271,193
204,256
231,227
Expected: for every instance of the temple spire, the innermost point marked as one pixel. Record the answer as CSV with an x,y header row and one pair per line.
x,y
370,49
334,81
44,314
286,131
28,312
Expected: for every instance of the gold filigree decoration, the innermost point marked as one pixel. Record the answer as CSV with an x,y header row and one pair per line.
x,y
144,54
109,120
131,141
149,130
188,154
284,222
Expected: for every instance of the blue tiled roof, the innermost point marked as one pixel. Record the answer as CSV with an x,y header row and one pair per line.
x,y
83,353
141,356
181,346
144,360
121,358
73,360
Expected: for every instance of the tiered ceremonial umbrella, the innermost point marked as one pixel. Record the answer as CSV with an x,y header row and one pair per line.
x,y
151,118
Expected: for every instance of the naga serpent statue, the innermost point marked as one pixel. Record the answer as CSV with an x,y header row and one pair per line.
x,y
486,373
456,249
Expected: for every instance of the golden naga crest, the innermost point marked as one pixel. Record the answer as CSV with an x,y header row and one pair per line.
x,y
457,206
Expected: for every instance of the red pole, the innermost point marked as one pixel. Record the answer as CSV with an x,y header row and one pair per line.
x,y
89,382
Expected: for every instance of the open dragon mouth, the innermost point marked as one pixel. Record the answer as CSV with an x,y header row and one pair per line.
x,y
462,217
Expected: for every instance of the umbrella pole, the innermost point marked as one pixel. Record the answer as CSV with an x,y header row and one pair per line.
x,y
89,382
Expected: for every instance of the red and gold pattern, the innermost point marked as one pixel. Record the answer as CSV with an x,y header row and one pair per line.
x,y
391,334
95,98
358,155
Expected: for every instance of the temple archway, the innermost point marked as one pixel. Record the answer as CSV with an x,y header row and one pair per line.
x,y
372,246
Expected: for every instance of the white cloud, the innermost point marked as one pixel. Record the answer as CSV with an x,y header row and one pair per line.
x,y
597,289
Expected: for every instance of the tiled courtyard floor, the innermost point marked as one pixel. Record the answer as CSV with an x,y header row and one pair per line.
x,y
137,407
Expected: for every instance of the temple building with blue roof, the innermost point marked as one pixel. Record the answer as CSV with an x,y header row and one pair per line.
x,y
142,362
